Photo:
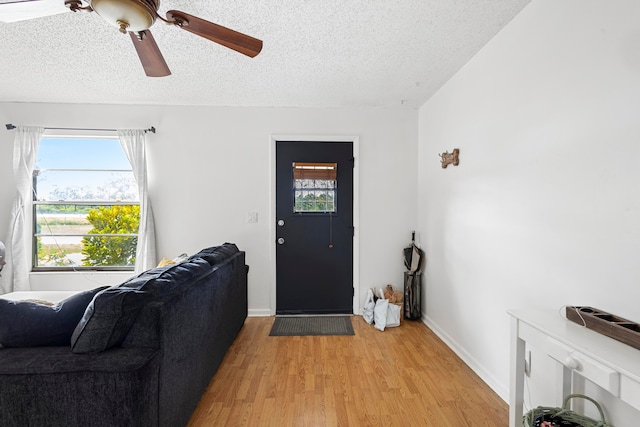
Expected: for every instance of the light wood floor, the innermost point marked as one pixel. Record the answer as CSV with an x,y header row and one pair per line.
x,y
404,376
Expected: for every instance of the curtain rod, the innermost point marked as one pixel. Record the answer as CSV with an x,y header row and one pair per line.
x,y
152,129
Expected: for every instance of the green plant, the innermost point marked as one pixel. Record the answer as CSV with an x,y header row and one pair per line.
x,y
105,249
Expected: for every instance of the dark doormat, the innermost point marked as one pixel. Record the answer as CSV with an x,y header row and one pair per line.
x,y
314,325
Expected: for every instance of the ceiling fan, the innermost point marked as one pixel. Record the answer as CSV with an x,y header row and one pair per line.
x,y
135,17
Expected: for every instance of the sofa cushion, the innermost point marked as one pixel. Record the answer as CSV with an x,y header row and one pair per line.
x,y
29,324
107,319
112,313
216,254
162,280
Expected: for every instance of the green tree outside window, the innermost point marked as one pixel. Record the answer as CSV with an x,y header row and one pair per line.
x,y
111,250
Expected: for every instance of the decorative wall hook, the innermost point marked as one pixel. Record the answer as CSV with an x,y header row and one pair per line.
x,y
450,158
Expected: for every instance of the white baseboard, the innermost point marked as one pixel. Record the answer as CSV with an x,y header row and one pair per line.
x,y
262,312
500,389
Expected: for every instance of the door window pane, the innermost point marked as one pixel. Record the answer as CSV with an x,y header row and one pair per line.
x,y
314,187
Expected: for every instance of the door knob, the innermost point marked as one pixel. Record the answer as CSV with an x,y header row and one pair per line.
x,y
281,241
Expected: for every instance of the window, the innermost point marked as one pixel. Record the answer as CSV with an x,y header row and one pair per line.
x,y
86,207
314,187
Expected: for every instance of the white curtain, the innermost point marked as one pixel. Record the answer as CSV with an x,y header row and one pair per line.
x,y
133,143
15,275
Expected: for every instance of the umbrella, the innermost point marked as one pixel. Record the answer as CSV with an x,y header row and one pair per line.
x,y
413,256
413,262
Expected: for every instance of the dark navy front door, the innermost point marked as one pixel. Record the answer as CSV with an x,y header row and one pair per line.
x,y
314,230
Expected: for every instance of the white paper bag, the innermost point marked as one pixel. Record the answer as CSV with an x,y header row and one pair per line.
x,y
393,315
380,313
369,305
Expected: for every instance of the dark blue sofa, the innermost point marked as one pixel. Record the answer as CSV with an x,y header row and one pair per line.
x,y
142,355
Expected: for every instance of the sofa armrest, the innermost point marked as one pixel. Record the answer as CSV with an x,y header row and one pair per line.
x,y
53,360
52,386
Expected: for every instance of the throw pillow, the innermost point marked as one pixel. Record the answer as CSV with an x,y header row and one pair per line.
x,y
108,319
29,324
40,301
177,260
164,262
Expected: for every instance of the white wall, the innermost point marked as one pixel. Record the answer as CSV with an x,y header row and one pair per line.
x,y
209,166
544,209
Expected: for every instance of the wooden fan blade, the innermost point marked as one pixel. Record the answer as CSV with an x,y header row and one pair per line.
x,y
21,10
152,60
239,42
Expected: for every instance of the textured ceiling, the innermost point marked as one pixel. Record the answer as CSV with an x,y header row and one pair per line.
x,y
324,53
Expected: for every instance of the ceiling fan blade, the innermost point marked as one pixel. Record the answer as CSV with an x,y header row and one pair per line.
x,y
21,10
152,60
239,42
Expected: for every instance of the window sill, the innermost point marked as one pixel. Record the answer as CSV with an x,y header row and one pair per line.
x,y
76,280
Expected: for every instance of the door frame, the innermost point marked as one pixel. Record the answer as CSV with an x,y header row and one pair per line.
x,y
355,141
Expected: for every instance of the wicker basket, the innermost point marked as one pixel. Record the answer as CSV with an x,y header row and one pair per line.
x,y
563,417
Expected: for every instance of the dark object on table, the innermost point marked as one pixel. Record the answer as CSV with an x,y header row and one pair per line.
x,y
607,324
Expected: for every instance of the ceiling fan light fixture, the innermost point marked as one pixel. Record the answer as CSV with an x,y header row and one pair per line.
x,y
127,15
136,17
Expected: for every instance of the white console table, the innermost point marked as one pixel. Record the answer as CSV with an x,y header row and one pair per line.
x,y
608,363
